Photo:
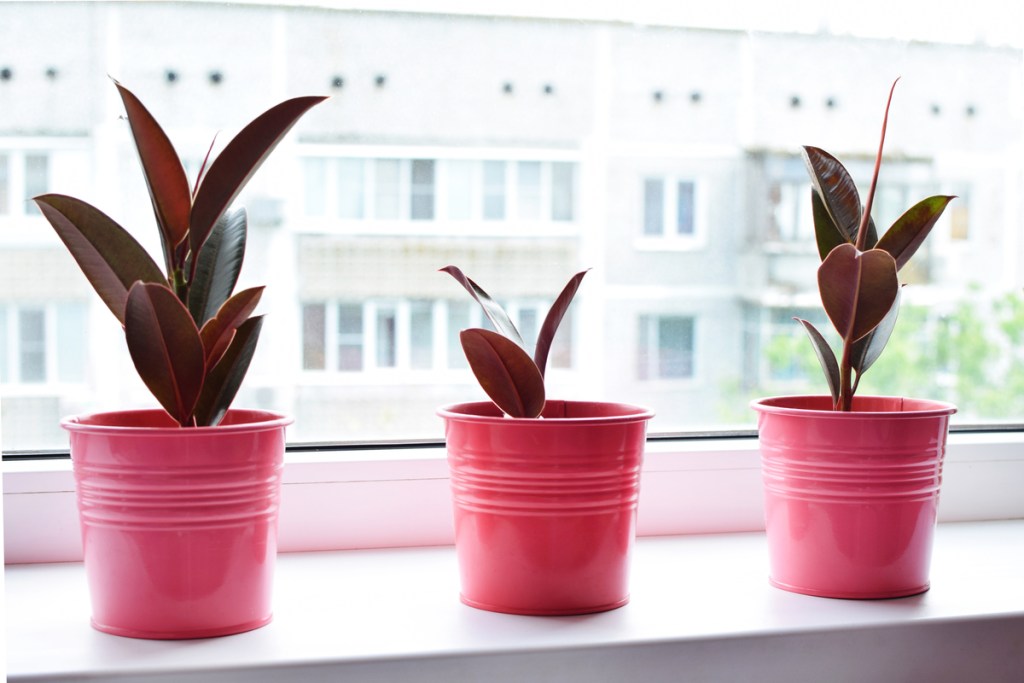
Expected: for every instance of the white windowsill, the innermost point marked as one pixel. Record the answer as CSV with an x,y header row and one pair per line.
x,y
701,609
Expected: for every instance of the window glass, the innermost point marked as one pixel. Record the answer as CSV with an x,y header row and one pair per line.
x,y
693,210
684,209
387,189
654,207
350,188
350,337
32,345
313,337
528,191
563,191
494,190
422,197
314,186
421,333
666,347
37,179
71,352
387,337
5,346
460,190
4,180
459,318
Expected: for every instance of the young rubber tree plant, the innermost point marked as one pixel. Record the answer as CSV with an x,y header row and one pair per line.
x,y
190,336
499,360
857,278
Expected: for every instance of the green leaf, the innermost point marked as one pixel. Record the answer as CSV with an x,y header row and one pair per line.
x,y
223,381
165,176
494,312
220,329
233,167
827,358
219,264
505,371
110,257
838,193
866,350
857,289
910,230
553,319
826,234
165,346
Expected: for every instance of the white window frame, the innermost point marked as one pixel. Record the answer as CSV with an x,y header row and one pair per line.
x,y
399,497
670,239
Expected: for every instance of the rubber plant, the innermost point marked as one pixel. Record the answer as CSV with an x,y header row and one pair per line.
x,y
857,278
508,375
190,336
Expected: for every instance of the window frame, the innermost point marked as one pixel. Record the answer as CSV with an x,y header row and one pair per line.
x,y
337,497
670,239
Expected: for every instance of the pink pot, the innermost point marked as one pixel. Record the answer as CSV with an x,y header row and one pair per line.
x,y
851,497
545,509
179,526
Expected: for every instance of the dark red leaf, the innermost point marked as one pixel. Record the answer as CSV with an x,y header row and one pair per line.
x,y
505,371
165,176
233,167
554,319
219,265
826,357
165,346
857,289
223,381
108,255
866,350
494,312
219,330
910,229
838,193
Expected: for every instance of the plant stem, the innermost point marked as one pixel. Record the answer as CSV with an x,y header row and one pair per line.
x,y
845,386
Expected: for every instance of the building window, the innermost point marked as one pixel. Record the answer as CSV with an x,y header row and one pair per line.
x,y
528,191
43,344
5,194
563,191
351,188
350,337
460,190
422,190
670,208
429,190
494,190
23,175
314,351
411,334
665,347
421,335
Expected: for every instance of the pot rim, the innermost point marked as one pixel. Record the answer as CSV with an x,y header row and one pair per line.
x,y
910,407
485,412
106,422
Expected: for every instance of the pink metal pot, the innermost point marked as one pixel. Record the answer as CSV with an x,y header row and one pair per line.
x,y
179,526
545,509
851,497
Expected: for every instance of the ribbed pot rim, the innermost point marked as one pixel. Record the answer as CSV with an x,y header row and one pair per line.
x,y
106,422
909,407
485,412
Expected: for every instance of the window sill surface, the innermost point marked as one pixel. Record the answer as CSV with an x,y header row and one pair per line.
x,y
701,609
